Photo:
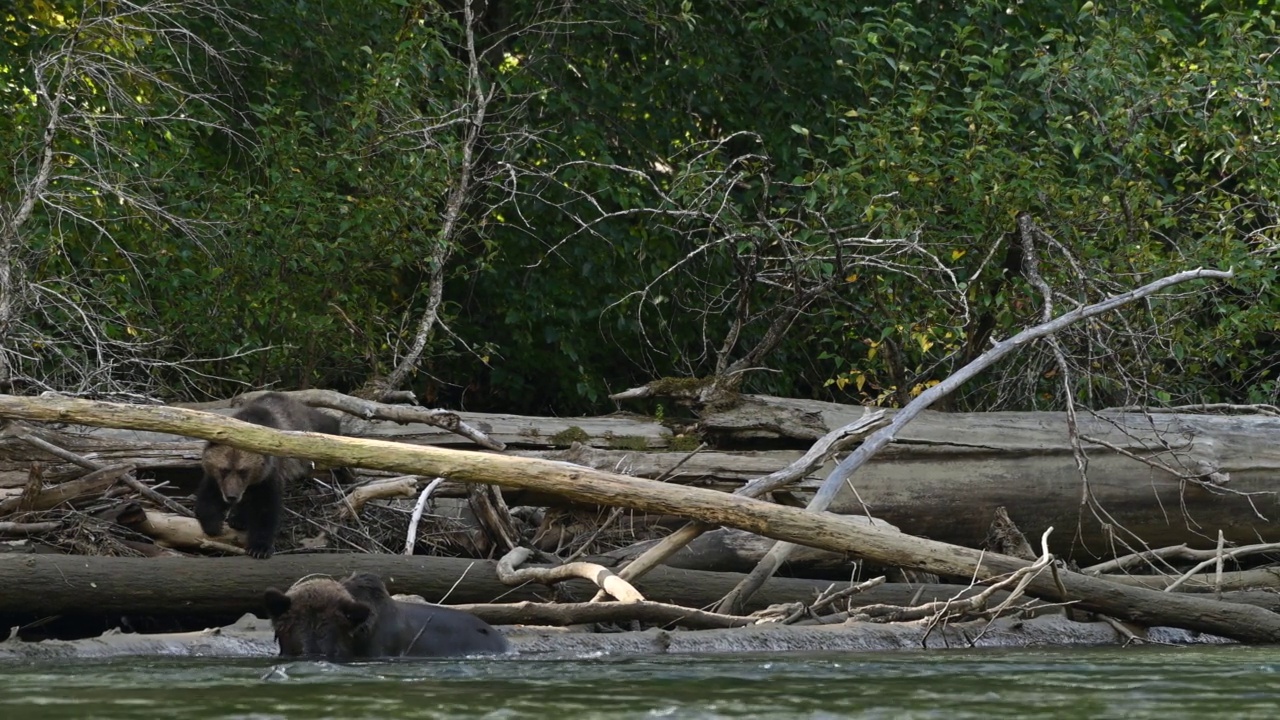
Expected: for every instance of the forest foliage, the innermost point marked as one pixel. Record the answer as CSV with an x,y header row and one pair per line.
x,y
655,189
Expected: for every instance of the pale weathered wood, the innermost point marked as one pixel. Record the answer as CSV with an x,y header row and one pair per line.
x,y
403,486
941,478
93,483
945,473
729,550
822,530
819,453
601,576
177,531
1255,579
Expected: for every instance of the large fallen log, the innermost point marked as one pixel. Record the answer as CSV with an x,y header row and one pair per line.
x,y
821,530
1165,478
45,585
938,463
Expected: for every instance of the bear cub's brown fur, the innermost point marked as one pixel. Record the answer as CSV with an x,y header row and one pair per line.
x,y
250,483
358,619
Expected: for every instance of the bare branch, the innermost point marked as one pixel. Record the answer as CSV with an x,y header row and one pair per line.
x,y
842,472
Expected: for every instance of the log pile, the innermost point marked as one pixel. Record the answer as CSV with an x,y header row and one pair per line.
x,y
623,521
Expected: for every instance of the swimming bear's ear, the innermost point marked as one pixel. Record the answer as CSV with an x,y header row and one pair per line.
x,y
355,612
277,602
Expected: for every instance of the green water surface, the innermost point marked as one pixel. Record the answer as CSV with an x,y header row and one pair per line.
x,y
1142,682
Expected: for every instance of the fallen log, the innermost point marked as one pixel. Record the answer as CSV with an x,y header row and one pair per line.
x,y
729,550
821,530
93,483
939,462
1255,579
43,585
1165,478
401,414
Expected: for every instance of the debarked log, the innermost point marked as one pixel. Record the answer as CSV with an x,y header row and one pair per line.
x,y
1167,478
815,529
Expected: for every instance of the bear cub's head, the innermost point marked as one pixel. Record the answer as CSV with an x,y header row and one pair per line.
x,y
234,470
318,617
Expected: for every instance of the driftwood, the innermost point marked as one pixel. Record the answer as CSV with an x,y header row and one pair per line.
x,y
401,414
181,532
941,461
601,576
531,613
411,537
42,585
1023,461
403,486
1257,578
822,530
45,498
938,463
729,550
33,528
129,479
837,480
818,454
1176,553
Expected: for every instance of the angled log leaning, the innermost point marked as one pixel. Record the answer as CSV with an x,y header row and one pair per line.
x,y
836,480
822,530
832,442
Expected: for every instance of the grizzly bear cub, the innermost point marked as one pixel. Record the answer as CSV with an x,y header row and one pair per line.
x,y
358,619
253,483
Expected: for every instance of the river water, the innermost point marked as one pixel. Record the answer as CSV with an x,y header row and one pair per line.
x,y
1140,682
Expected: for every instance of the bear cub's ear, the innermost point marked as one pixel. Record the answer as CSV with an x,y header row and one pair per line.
x,y
355,612
277,602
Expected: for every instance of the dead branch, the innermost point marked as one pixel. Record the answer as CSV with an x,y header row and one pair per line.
x,y
564,614
33,528
401,414
48,498
1146,557
493,515
459,195
598,574
816,457
1216,557
411,537
1255,579
1230,408
129,479
403,486
842,472
1173,552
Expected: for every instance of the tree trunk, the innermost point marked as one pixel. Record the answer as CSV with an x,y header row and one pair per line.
x,y
74,584
944,474
820,530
